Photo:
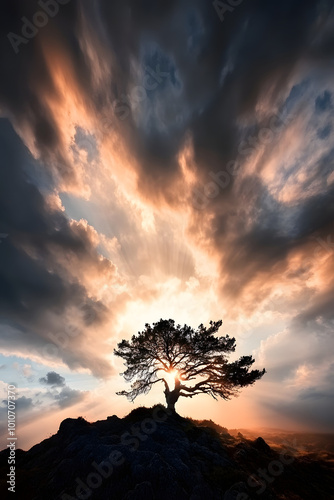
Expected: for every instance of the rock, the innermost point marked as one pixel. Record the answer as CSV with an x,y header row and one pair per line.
x,y
171,460
261,445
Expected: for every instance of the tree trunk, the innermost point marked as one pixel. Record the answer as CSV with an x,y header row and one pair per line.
x,y
171,400
172,396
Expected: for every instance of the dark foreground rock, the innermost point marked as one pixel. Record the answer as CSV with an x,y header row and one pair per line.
x,y
150,455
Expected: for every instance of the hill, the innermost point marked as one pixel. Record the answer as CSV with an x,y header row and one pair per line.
x,y
150,454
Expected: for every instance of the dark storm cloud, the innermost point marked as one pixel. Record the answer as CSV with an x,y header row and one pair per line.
x,y
216,72
26,104
68,397
53,379
33,284
28,220
256,47
270,237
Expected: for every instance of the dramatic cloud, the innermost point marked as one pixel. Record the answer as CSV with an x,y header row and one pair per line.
x,y
166,159
38,287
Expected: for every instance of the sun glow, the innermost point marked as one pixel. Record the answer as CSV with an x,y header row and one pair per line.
x,y
170,378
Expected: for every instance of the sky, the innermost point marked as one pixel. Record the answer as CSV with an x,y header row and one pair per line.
x,y
166,159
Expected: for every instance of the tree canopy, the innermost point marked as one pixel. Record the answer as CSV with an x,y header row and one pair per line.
x,y
197,359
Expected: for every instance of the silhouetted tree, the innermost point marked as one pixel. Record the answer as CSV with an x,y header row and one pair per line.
x,y
190,355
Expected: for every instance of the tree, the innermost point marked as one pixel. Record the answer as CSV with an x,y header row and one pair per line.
x,y
190,355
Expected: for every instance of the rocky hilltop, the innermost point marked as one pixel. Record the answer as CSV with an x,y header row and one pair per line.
x,y
154,455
